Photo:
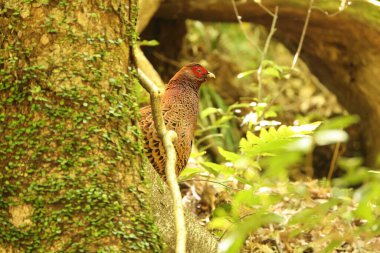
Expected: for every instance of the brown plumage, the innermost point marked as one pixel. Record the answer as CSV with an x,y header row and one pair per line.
x,y
179,106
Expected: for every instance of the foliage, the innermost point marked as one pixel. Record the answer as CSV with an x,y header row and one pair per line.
x,y
254,146
260,170
217,126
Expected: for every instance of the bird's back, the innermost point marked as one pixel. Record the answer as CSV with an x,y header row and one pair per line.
x,y
180,115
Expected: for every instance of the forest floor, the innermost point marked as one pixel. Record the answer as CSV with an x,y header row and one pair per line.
x,y
330,231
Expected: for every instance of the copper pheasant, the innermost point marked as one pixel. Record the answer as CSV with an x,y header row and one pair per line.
x,y
179,106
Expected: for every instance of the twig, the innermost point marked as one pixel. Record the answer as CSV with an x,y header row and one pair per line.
x,y
343,5
238,17
211,181
263,55
167,138
333,161
296,56
300,44
263,7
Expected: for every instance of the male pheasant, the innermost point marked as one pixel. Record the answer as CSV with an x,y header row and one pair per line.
x,y
179,106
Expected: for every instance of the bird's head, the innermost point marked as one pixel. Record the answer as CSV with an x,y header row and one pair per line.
x,y
192,74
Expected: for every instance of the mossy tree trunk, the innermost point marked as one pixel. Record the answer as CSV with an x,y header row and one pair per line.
x,y
70,151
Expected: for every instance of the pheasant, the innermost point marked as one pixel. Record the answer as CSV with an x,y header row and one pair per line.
x,y
179,105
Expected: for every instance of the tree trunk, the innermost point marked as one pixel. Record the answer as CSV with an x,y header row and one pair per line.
x,y
71,173
70,150
198,238
342,50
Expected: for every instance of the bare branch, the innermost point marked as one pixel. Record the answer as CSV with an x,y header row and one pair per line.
x,y
333,161
343,5
263,7
239,18
263,55
297,54
211,181
295,59
146,83
167,138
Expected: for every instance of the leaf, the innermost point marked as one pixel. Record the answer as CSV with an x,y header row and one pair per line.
x,y
272,72
326,137
208,111
189,173
230,156
218,169
220,223
243,180
306,128
269,143
224,119
339,122
311,217
276,166
197,154
238,106
233,241
246,73
252,138
149,43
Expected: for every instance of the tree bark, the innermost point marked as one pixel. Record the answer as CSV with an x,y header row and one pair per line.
x,y
71,172
70,150
342,50
198,238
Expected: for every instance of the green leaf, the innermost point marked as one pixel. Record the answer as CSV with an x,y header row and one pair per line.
x,y
197,154
224,119
230,156
189,173
238,106
220,223
252,138
233,241
218,169
340,122
246,73
272,72
149,43
208,111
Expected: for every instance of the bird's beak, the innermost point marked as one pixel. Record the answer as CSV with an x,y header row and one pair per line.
x,y
209,74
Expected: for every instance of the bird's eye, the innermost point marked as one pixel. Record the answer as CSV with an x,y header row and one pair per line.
x,y
198,70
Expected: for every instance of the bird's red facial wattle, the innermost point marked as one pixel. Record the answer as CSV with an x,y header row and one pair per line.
x,y
199,71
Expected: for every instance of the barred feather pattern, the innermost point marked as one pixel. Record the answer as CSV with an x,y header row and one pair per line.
x,y
179,106
180,115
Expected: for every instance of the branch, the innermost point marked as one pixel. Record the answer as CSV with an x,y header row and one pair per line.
x,y
263,55
306,24
333,161
238,18
258,2
343,5
167,137
295,59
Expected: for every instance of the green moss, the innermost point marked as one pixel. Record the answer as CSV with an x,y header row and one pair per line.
x,y
68,140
